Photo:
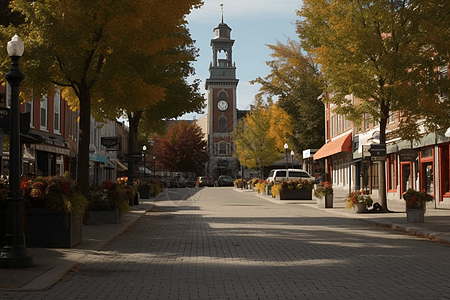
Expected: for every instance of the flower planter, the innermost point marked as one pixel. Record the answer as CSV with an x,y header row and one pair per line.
x,y
268,190
415,215
325,202
105,216
48,229
145,193
302,194
360,207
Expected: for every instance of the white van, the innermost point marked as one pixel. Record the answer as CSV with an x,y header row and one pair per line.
x,y
292,174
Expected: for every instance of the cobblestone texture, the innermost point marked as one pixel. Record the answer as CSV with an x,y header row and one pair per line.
x,y
222,244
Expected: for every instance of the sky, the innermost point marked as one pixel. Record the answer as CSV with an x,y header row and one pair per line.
x,y
254,24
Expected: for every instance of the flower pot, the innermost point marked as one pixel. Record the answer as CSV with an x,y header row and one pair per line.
x,y
111,216
360,207
48,229
415,215
302,194
325,202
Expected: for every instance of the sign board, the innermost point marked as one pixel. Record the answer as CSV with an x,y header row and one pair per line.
x,y
109,142
378,158
135,157
377,150
407,155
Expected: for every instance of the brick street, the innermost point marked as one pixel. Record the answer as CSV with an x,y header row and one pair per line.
x,y
218,243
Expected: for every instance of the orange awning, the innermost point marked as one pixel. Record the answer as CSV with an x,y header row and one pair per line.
x,y
342,144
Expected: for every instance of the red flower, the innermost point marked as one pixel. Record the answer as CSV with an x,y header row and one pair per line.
x,y
352,199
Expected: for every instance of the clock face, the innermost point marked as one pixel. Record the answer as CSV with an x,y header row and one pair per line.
x,y
222,105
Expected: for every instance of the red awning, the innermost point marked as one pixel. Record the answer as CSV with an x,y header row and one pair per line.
x,y
342,144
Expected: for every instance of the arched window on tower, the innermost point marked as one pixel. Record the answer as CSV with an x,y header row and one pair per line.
x,y
222,124
223,96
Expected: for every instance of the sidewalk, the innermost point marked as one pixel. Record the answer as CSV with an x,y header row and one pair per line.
x,y
51,264
436,225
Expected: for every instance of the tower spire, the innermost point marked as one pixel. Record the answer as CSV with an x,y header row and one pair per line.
x,y
221,7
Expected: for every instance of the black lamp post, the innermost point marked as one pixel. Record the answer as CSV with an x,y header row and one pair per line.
x,y
14,254
154,166
292,158
144,149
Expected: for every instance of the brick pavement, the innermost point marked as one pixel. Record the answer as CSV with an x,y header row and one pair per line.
x,y
223,244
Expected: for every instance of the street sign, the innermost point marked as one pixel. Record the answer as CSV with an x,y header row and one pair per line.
x,y
377,150
378,158
109,141
408,154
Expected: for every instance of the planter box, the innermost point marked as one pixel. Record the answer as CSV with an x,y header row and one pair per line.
x,y
415,215
268,190
48,229
105,216
325,202
145,193
360,208
303,194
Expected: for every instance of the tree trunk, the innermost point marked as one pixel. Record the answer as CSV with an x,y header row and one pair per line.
x,y
83,143
133,119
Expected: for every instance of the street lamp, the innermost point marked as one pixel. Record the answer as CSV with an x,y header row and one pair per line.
x,y
152,142
285,150
292,158
14,253
154,166
144,149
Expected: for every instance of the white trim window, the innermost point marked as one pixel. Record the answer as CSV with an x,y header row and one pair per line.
x,y
391,117
43,113
57,114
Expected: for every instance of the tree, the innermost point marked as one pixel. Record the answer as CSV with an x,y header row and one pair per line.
x,y
260,136
183,149
84,48
385,54
295,80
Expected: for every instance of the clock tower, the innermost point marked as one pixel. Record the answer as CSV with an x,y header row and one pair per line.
x,y
221,105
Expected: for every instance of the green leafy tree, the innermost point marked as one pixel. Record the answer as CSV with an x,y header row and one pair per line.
x,y
182,149
260,136
387,55
295,80
98,53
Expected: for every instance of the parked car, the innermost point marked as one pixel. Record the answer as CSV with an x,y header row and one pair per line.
x,y
292,174
225,180
204,181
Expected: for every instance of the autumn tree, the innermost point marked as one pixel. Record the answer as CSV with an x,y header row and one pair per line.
x,y
83,47
183,149
295,80
384,53
261,135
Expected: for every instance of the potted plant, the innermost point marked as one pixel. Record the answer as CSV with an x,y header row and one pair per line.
x,y
260,186
416,205
359,201
324,190
253,183
3,214
54,213
293,190
130,190
149,188
108,202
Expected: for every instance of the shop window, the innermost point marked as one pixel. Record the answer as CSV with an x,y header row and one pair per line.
x,y
427,153
428,178
375,176
392,172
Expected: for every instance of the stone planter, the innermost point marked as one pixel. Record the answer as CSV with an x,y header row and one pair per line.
x,y
303,194
325,202
105,216
415,215
48,229
360,208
